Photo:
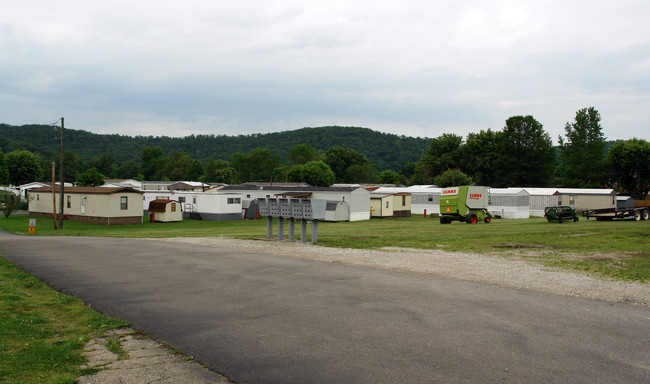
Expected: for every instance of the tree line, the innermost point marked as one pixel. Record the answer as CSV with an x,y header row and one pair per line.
x,y
520,154
386,151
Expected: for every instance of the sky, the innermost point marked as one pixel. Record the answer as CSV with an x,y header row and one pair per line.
x,y
413,68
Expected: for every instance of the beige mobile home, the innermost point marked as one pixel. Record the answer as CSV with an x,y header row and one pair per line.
x,y
581,199
98,205
381,205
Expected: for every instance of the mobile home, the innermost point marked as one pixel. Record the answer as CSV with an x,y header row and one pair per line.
x,y
98,205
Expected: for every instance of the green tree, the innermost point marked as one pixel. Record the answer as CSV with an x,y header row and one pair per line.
x,y
360,173
23,166
315,173
153,159
526,156
177,166
105,164
90,178
4,171
72,166
127,170
629,163
196,171
423,171
258,165
10,203
479,154
407,172
302,154
390,177
340,159
582,154
444,152
452,178
220,171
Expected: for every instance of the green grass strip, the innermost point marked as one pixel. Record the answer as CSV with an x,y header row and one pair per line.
x,y
42,332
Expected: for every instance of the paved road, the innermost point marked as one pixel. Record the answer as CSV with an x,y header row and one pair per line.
x,y
261,318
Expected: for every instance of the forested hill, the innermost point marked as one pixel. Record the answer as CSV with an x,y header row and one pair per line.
x,y
385,151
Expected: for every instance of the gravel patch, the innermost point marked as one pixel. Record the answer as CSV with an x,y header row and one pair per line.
x,y
508,270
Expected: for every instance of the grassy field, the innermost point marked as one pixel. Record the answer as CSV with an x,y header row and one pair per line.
x,y
618,249
42,331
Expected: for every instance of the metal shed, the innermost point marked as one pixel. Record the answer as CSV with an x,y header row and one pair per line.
x,y
337,211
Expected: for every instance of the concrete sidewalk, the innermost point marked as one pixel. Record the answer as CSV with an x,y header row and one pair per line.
x,y
147,362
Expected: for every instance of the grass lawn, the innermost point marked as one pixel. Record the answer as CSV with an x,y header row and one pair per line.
x,y
616,249
42,331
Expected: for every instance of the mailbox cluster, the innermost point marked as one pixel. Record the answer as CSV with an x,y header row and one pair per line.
x,y
292,209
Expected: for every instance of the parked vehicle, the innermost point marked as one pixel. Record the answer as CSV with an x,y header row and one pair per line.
x,y
560,214
466,203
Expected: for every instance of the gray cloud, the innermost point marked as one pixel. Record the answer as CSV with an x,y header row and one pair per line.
x,y
421,68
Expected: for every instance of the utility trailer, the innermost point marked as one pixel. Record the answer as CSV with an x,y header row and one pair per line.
x,y
466,203
636,213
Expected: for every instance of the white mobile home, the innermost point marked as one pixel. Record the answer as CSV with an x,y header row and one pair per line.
x,y
357,198
509,203
212,206
425,199
540,198
130,183
577,198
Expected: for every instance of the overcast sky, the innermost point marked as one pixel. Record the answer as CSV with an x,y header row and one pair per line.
x,y
414,68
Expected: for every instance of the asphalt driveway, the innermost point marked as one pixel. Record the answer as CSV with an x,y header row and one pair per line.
x,y
263,318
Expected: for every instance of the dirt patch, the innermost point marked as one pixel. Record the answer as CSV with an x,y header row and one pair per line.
x,y
520,246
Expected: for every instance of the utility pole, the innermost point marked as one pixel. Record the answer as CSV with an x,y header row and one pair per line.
x,y
53,195
62,179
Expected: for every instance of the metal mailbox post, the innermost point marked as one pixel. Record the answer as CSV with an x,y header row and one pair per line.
x,y
292,209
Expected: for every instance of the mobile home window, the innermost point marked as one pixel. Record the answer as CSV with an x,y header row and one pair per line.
x,y
124,205
234,200
68,201
572,200
403,201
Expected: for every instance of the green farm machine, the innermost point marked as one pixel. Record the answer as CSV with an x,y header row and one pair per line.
x,y
466,203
